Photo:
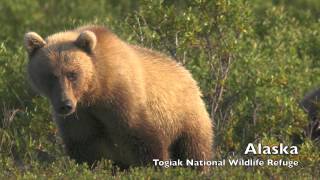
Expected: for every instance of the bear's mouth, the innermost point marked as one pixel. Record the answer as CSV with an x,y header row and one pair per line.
x,y
65,113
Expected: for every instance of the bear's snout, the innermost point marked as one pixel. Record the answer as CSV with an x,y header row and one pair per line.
x,y
66,107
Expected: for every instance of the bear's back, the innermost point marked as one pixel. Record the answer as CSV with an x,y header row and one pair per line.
x,y
172,93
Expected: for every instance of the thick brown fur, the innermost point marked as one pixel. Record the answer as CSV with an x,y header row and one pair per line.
x,y
129,104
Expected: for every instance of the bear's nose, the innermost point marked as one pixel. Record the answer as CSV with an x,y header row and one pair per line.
x,y
66,107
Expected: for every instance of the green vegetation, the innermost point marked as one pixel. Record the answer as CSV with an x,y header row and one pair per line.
x,y
254,61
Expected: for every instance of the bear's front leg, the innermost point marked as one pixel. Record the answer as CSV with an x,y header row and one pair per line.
x,y
84,152
83,139
151,146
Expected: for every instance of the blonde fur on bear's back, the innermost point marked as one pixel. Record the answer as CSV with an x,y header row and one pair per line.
x,y
168,84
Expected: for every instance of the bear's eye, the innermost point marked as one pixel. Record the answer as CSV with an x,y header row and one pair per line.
x,y
71,76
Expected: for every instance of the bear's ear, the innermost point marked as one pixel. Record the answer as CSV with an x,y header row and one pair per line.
x,y
32,42
87,41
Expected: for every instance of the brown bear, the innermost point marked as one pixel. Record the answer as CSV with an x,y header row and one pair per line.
x,y
118,101
311,104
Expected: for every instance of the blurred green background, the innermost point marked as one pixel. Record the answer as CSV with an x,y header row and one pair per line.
x,y
254,61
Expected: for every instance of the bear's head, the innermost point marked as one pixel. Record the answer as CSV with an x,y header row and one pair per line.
x,y
61,67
